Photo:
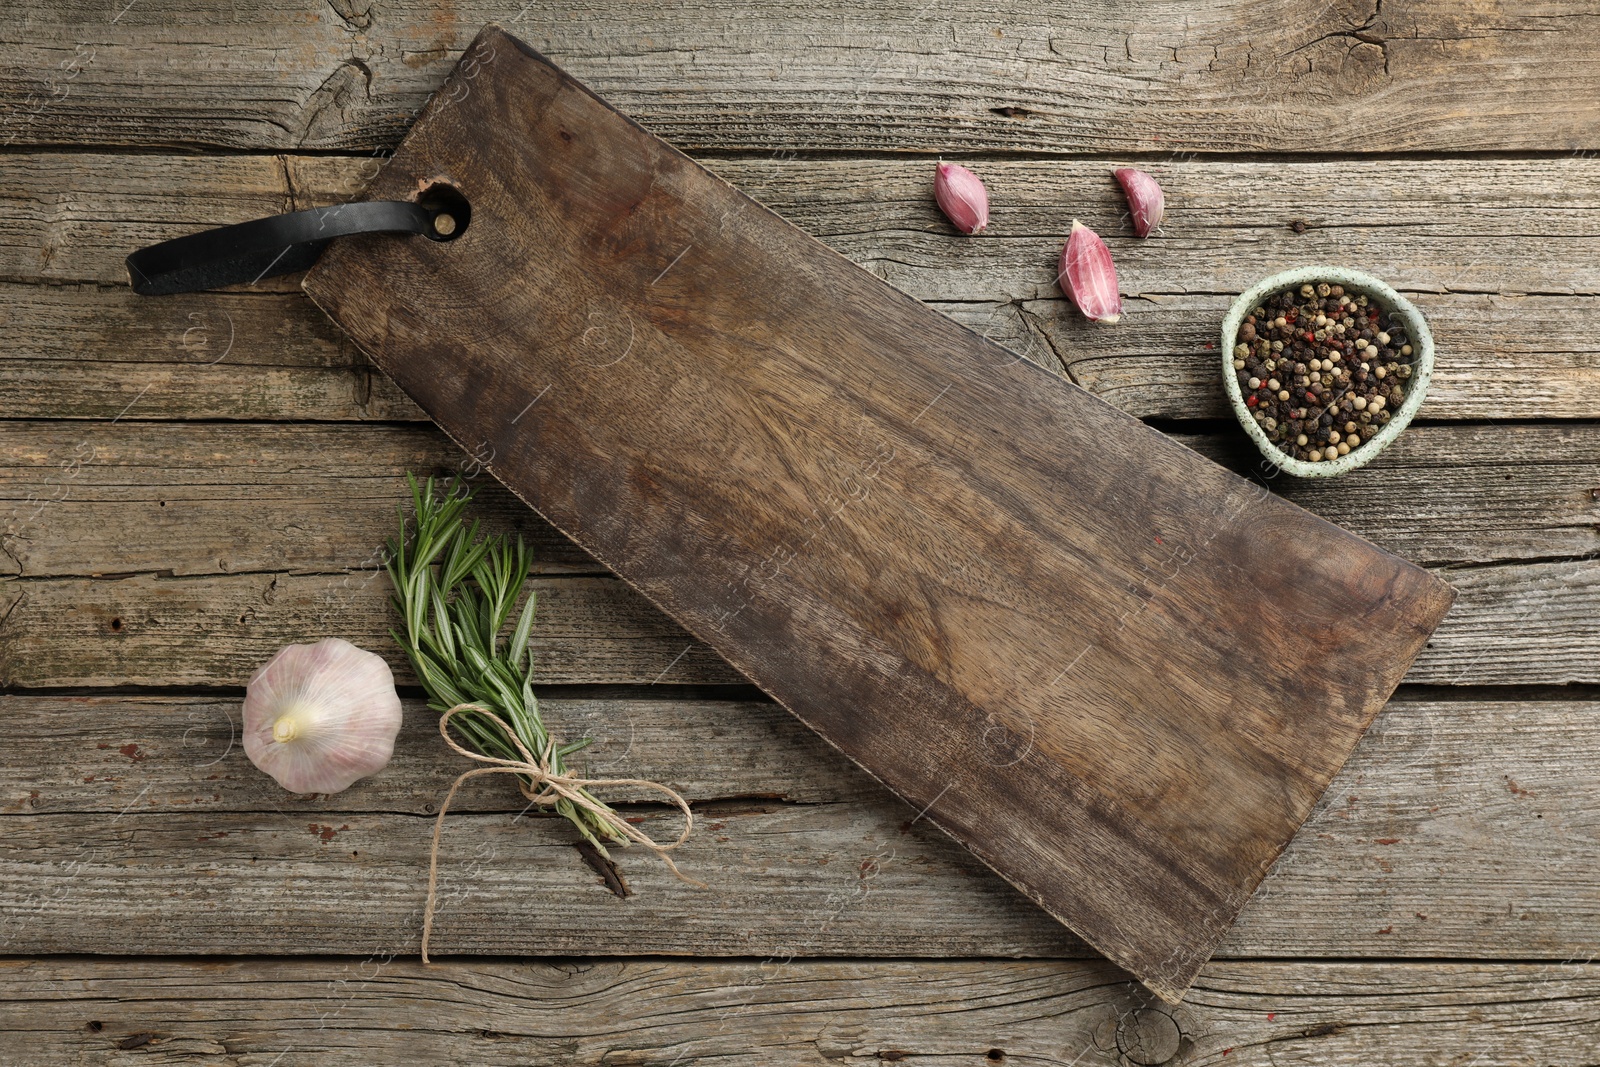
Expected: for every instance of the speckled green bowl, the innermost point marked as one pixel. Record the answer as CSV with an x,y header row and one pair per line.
x,y
1417,333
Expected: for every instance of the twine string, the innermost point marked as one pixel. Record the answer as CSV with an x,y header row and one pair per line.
x,y
545,788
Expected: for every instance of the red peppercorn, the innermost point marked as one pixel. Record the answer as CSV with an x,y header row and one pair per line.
x,y
1311,398
1251,400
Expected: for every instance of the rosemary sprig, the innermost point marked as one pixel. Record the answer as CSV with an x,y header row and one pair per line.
x,y
455,594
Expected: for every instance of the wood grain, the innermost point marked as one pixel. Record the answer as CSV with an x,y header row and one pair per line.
x,y
991,550
91,498
760,85
1504,226
606,1013
816,879
149,629
1474,226
1457,829
1056,76
1502,355
1486,246
301,513
1513,624
80,499
175,754
99,352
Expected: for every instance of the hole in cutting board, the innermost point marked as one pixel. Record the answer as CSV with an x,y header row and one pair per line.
x,y
450,210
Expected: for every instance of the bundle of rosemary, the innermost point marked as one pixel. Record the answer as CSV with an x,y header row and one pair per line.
x,y
455,593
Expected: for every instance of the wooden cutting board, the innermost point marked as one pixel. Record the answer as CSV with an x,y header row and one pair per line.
x,y
1116,672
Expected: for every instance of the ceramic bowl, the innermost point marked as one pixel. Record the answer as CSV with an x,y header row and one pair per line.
x,y
1417,333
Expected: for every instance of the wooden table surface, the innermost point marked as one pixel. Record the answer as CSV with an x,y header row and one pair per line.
x,y
191,482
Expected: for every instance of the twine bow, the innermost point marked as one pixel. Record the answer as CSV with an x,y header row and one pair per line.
x,y
547,787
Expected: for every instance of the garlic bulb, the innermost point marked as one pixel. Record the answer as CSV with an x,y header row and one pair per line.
x,y
321,716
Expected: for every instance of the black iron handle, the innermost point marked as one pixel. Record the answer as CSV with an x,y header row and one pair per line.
x,y
281,244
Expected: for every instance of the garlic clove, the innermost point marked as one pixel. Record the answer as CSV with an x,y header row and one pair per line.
x,y
1146,202
1088,276
319,717
962,197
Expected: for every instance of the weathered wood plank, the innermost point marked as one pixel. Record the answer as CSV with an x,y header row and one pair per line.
x,y
1501,356
90,351
1456,829
1513,624
1425,226
154,630
1519,624
1456,495
61,222
784,1012
1066,75
207,525
1483,225
83,498
1496,229
174,754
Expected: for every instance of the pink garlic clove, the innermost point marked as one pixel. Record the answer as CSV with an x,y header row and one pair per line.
x,y
1146,202
1088,276
962,197
320,717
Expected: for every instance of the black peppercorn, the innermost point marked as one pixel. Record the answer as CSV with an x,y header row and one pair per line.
x,y
1323,413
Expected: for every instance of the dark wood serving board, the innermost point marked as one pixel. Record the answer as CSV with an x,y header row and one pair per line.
x,y
1118,673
